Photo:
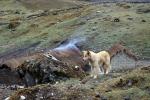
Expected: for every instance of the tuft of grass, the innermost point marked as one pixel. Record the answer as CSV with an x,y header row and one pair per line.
x,y
133,85
30,92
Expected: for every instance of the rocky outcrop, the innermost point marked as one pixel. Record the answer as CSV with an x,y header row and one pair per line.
x,y
117,48
47,70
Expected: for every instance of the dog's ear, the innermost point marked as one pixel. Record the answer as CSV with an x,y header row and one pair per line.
x,y
88,52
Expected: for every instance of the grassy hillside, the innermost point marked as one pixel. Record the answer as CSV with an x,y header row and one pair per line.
x,y
48,4
28,26
17,30
103,25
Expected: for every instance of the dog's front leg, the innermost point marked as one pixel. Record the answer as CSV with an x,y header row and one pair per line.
x,y
92,70
96,70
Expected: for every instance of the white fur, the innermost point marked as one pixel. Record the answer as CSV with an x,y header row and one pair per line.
x,y
99,62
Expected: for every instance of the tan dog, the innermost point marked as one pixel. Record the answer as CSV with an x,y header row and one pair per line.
x,y
99,62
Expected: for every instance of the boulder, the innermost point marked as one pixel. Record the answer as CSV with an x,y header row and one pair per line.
x,y
47,70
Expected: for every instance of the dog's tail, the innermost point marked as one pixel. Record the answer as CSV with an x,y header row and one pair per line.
x,y
117,48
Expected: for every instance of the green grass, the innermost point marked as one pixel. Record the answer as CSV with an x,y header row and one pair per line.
x,y
139,42
134,33
118,88
101,34
133,93
32,31
11,5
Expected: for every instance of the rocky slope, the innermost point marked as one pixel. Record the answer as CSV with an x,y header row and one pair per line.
x,y
132,85
27,30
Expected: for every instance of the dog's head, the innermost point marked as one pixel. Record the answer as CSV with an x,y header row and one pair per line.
x,y
86,55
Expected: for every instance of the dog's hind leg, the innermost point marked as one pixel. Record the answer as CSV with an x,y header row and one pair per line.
x,y
101,68
107,68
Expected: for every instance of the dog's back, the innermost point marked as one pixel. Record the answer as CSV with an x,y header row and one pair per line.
x,y
104,55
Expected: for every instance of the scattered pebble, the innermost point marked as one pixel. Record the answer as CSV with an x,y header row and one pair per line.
x,y
116,20
143,20
52,94
95,22
98,11
13,87
94,28
130,83
41,97
97,95
22,97
103,98
76,67
27,61
8,98
126,98
20,87
55,13
130,18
